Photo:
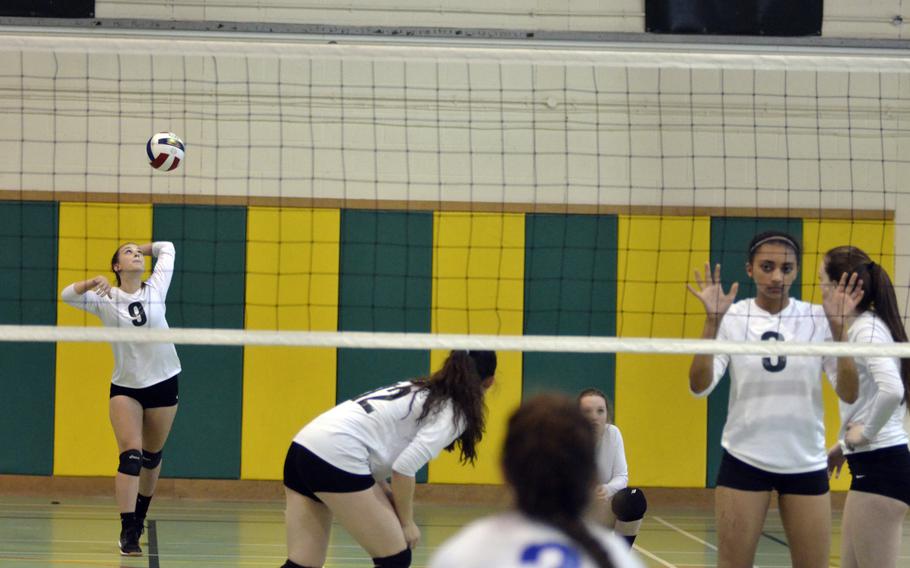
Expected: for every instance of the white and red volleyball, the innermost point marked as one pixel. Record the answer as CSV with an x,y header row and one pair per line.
x,y
165,150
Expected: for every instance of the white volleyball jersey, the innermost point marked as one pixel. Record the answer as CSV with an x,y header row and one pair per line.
x,y
378,432
136,365
511,540
881,390
612,470
775,416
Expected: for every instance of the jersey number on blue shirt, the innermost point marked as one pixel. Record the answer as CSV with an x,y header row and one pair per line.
x,y
532,556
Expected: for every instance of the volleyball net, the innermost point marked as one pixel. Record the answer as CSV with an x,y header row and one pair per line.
x,y
436,188
376,204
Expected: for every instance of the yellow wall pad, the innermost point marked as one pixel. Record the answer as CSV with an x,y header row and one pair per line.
x,y
292,284
89,234
876,238
478,287
664,428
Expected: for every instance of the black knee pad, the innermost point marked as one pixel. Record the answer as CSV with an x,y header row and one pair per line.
x,y
150,460
400,560
629,504
130,462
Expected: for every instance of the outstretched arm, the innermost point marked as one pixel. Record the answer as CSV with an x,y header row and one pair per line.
x,y
716,303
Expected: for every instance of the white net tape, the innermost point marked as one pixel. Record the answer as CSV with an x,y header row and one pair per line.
x,y
526,343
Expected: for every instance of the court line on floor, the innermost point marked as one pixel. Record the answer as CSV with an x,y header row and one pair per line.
x,y
688,534
153,544
775,539
684,533
654,557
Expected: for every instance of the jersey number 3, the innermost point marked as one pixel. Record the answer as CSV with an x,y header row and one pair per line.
x,y
137,312
781,360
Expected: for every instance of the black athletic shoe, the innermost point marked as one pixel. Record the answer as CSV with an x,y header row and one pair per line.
x,y
129,541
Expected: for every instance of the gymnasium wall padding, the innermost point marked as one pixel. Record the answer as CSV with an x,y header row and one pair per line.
x,y
478,275
663,427
386,270
28,270
207,291
292,284
89,235
569,289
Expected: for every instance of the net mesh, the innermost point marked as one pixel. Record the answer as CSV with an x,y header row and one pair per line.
x,y
547,200
431,188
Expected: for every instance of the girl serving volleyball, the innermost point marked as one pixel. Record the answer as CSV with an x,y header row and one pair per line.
x,y
143,393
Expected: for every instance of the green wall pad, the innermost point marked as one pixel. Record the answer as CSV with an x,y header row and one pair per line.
x,y
385,285
570,289
208,292
28,296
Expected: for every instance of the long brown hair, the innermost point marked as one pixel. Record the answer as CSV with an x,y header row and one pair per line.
x,y
878,294
461,380
549,459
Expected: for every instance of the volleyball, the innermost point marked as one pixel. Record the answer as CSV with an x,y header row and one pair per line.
x,y
165,151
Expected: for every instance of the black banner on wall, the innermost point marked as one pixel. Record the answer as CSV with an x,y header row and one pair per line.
x,y
48,8
734,17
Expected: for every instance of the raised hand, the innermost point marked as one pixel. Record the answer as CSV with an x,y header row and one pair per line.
x,y
102,286
840,300
711,292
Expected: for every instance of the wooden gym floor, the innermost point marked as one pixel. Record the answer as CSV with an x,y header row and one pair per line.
x,y
81,532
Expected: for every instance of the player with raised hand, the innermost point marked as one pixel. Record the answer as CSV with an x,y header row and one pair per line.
x,y
872,437
774,437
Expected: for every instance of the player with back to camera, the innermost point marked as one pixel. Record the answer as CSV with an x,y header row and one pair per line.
x,y
616,505
774,437
338,464
143,393
872,436
548,461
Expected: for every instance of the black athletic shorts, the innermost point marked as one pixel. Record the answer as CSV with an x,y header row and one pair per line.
x,y
306,473
156,396
737,474
884,472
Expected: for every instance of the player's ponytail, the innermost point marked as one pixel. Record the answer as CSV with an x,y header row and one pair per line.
x,y
549,460
461,380
878,294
